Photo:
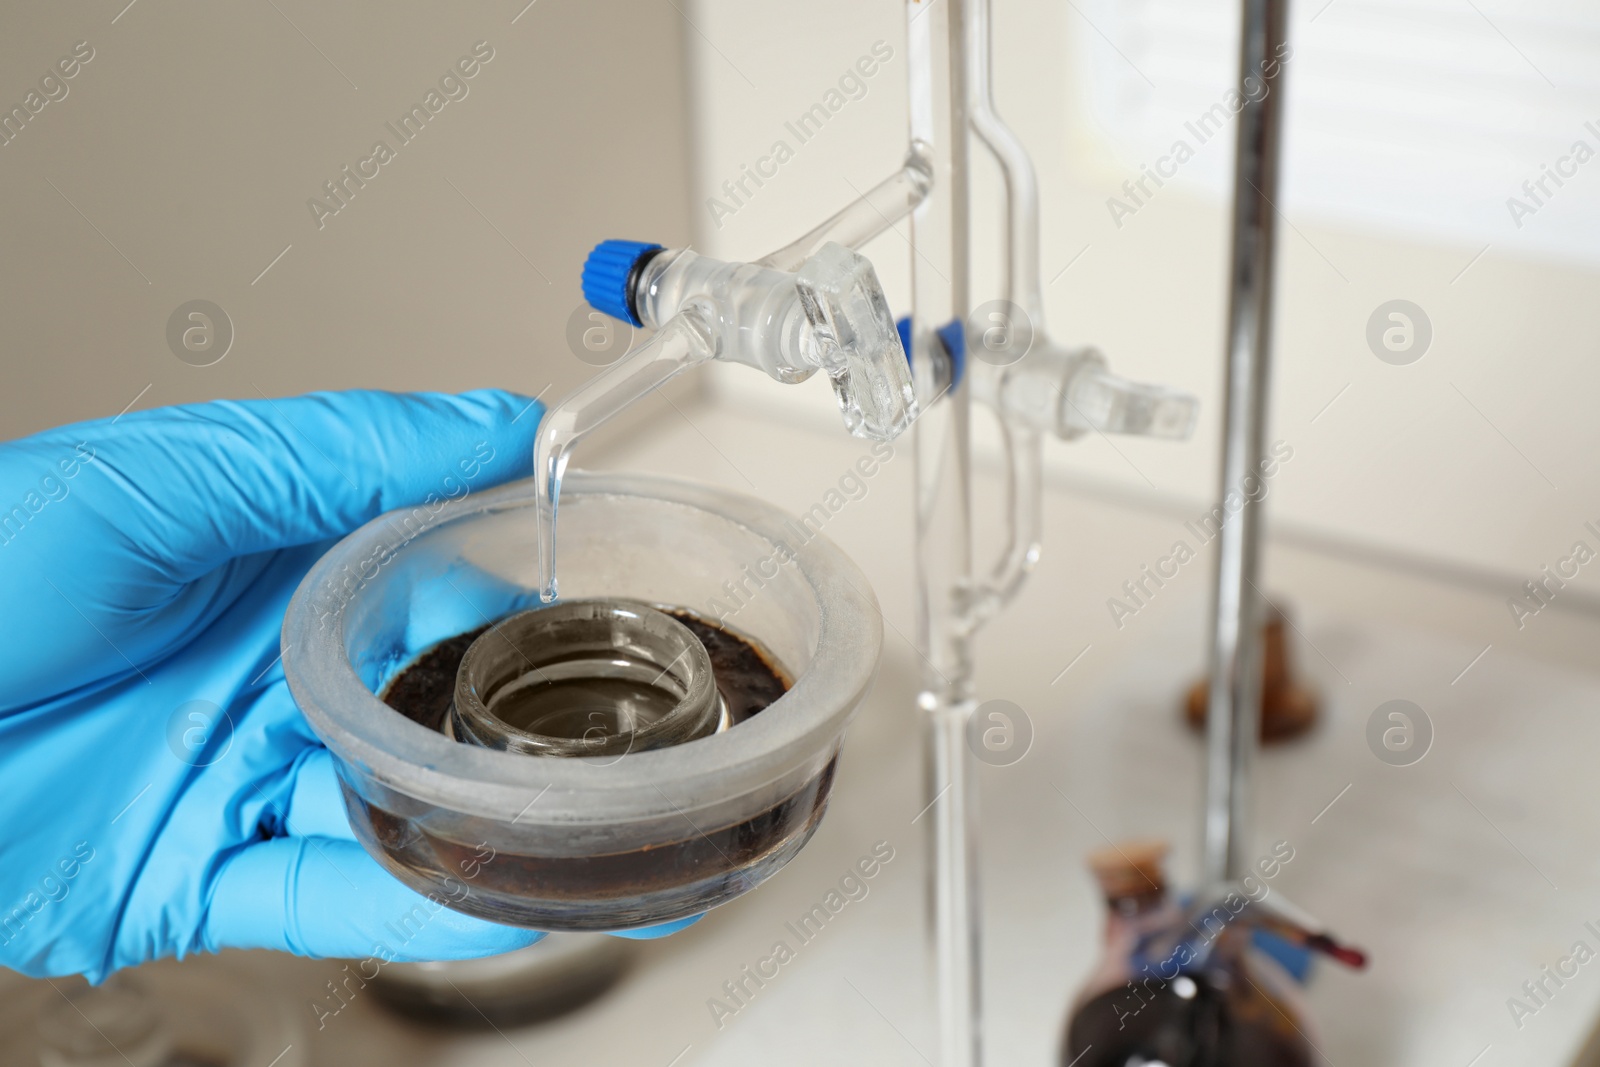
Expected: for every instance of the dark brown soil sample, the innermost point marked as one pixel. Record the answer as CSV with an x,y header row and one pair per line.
x,y
746,679
422,692
749,683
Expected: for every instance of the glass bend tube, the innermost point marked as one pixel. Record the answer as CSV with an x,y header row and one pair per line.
x,y
1021,261
1024,447
867,216
1024,461
684,341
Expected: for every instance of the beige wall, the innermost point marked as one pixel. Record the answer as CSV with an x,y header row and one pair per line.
x,y
1401,461
193,139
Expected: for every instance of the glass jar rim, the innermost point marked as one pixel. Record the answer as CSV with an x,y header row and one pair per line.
x,y
529,634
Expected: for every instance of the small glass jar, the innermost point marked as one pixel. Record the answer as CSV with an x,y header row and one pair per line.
x,y
585,678
203,1011
99,1026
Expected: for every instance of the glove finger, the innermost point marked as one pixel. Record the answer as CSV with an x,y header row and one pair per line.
x,y
177,513
321,897
230,478
650,933
315,806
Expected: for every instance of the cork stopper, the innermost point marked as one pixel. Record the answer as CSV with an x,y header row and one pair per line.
x,y
1130,869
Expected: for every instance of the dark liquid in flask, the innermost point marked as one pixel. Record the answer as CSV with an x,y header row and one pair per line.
x,y
1210,1027
748,683
1204,999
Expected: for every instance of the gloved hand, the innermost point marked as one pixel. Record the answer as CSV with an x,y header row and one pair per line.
x,y
147,561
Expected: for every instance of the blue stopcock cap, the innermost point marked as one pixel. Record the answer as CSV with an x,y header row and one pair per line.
x,y
951,335
954,336
608,276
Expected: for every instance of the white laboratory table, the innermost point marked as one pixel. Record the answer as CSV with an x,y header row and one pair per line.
x,y
1462,874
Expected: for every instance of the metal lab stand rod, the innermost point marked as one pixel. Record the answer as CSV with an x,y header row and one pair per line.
x,y
1233,721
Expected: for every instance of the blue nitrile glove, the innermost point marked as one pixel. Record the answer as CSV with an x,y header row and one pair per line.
x,y
146,562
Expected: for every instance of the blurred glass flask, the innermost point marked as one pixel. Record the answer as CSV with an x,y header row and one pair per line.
x,y
546,980
117,1024
1176,991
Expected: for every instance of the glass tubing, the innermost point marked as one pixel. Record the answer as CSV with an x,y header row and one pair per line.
x,y
949,71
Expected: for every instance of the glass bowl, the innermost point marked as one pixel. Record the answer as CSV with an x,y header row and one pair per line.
x,y
597,842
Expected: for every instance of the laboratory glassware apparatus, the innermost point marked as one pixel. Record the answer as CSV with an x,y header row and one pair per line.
x,y
517,781
1034,385
815,304
1180,988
